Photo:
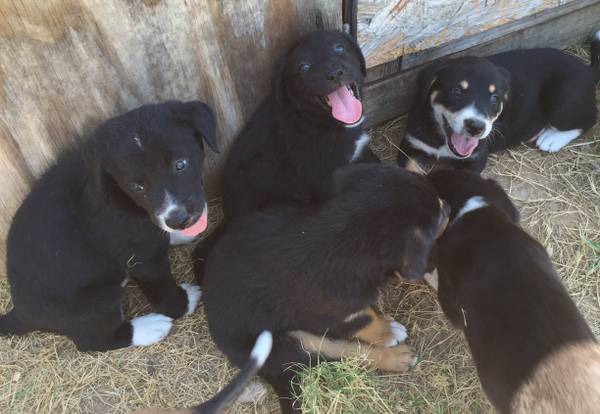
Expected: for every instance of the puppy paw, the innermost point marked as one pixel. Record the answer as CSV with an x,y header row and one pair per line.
x,y
149,329
553,140
399,334
194,293
397,359
432,279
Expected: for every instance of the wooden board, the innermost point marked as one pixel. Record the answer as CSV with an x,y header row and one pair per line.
x,y
65,65
388,29
557,27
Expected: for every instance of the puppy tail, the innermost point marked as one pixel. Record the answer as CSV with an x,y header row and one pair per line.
x,y
11,325
595,54
259,354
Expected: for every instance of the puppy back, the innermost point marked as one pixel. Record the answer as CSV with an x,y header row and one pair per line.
x,y
567,381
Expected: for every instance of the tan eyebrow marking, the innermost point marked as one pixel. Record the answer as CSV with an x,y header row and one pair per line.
x,y
464,84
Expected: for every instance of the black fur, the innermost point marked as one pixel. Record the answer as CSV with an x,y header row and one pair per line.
x,y
87,224
307,269
497,284
534,89
289,149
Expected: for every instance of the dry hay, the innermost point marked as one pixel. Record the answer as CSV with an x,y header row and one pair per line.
x,y
558,196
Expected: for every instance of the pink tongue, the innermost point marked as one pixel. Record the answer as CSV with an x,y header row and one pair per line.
x,y
463,144
344,106
198,227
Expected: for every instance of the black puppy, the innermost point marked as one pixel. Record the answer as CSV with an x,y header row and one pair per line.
x,y
309,126
468,107
318,271
533,350
105,212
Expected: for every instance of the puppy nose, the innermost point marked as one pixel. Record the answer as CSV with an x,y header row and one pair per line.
x,y
335,74
474,126
178,219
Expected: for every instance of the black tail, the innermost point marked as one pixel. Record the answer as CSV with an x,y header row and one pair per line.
x,y
595,54
258,356
11,325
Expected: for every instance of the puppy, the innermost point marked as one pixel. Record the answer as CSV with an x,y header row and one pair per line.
x,y
533,349
105,212
471,106
308,127
303,272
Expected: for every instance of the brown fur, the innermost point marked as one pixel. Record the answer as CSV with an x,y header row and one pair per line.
x,y
567,381
396,359
378,332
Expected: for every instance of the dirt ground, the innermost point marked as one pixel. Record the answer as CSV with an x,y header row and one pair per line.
x,y
559,199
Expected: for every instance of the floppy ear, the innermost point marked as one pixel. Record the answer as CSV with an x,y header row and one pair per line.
x,y
427,78
277,82
506,77
201,118
358,52
419,255
95,157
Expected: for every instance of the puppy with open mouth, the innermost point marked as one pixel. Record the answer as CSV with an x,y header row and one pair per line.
x,y
471,106
308,127
107,211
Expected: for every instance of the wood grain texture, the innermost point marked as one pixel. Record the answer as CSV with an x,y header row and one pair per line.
x,y
66,65
388,29
558,27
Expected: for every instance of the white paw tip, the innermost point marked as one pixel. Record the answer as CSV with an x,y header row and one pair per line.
x,y
149,329
399,334
194,293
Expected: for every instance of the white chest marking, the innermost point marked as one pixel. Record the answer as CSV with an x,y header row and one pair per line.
x,y
472,204
359,146
440,152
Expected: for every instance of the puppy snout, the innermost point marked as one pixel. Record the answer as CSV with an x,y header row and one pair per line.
x,y
474,126
178,219
336,74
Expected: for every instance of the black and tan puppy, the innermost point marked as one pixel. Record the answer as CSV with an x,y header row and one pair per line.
x,y
308,127
105,212
533,349
303,273
471,106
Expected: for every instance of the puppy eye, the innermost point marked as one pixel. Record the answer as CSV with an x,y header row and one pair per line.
x,y
304,67
339,48
181,165
494,99
456,91
136,188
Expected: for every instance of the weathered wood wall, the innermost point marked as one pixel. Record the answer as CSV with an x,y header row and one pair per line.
x,y
388,29
391,86
65,65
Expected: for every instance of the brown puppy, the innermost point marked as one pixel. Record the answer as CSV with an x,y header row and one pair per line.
x,y
533,350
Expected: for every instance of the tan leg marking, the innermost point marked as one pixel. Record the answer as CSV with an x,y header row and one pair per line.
x,y
378,332
397,359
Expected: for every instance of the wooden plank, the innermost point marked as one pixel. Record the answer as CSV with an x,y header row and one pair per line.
x,y
390,28
65,65
392,96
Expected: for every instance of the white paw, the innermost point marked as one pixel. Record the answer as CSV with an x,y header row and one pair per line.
x,y
149,329
194,293
432,279
552,140
399,334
